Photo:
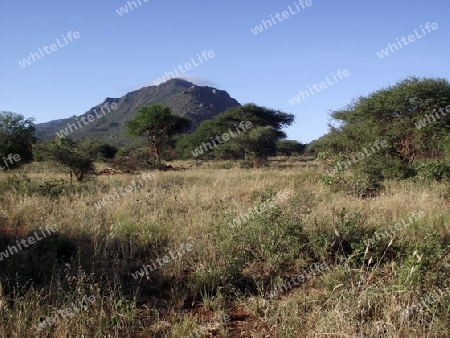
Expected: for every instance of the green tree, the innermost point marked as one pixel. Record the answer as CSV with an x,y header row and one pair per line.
x,y
254,143
67,152
107,151
158,125
205,132
260,143
257,115
288,147
394,114
43,151
333,142
17,136
98,150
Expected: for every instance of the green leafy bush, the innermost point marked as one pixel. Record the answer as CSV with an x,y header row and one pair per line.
x,y
435,170
24,186
364,186
263,195
361,185
344,240
16,184
262,246
68,153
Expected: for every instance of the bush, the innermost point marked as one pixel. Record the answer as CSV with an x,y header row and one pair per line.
x,y
262,246
341,242
53,188
365,186
361,185
24,186
20,185
436,170
362,180
43,151
17,135
67,152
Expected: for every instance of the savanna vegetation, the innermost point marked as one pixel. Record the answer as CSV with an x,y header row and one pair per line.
x,y
386,272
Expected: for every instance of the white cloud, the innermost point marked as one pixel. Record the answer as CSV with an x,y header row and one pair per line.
x,y
199,81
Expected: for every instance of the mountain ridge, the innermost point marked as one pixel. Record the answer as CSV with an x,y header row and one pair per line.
x,y
106,124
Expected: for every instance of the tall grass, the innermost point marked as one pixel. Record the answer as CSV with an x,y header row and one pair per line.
x,y
229,270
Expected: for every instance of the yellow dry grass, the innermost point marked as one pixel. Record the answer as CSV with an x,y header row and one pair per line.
x,y
227,269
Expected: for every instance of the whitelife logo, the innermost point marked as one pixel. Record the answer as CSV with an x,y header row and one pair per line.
x,y
411,38
245,126
206,55
11,158
358,157
124,10
298,280
90,118
260,208
280,17
394,228
67,312
53,47
146,269
323,85
423,122
26,242
123,190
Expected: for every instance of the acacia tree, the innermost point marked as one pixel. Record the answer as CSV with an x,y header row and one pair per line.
x,y
395,114
254,144
16,136
287,147
67,152
257,115
158,125
260,143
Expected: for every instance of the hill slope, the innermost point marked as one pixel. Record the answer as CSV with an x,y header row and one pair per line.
x,y
197,103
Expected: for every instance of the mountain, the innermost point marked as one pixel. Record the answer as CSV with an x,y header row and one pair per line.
x,y
106,121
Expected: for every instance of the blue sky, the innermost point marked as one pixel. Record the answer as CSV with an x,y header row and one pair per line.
x,y
116,54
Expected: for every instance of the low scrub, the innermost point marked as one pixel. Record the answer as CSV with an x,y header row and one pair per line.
x,y
435,170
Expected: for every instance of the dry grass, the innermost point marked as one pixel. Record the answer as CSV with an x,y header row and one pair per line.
x,y
228,270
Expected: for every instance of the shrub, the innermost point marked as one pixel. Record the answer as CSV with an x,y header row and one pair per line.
x,y
20,185
67,152
341,242
53,189
420,266
360,185
366,182
364,186
262,246
436,170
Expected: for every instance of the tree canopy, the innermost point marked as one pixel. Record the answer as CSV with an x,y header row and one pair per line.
x,y
411,116
288,147
158,125
254,132
17,136
67,152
